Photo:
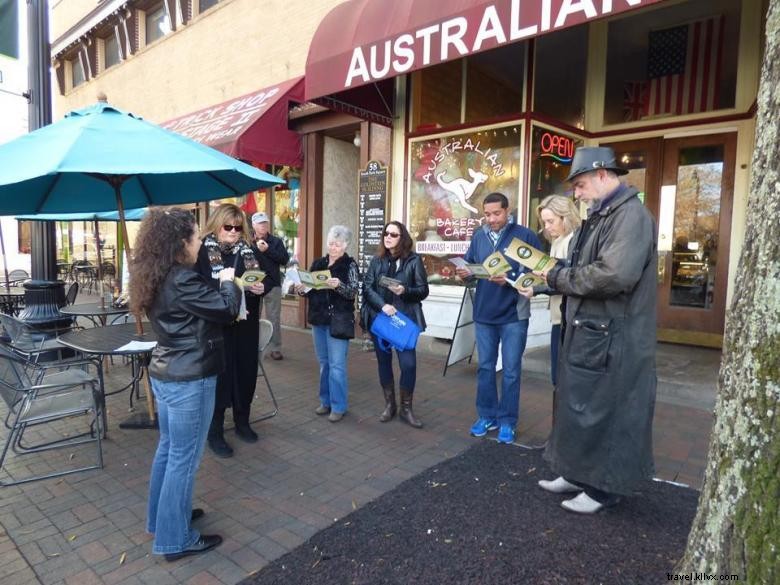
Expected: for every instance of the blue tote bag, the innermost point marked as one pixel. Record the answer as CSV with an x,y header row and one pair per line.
x,y
399,331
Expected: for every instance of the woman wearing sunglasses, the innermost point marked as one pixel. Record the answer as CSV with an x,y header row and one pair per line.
x,y
395,260
225,246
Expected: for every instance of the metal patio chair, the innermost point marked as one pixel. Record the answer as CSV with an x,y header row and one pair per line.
x,y
266,331
35,406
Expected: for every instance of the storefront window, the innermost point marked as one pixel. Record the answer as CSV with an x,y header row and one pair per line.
x,y
494,83
551,155
440,92
559,75
449,176
673,61
287,217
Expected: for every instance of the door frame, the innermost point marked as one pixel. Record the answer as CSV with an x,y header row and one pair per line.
x,y
661,170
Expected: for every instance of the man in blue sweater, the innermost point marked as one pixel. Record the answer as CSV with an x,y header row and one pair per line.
x,y
501,316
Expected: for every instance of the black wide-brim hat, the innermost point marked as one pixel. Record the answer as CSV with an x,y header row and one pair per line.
x,y
593,158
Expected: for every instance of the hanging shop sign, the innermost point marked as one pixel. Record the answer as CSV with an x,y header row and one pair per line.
x,y
372,200
415,35
449,177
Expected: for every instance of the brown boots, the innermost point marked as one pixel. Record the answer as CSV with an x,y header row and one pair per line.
x,y
406,413
390,408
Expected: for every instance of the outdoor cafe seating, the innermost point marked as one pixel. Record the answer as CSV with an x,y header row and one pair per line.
x,y
35,402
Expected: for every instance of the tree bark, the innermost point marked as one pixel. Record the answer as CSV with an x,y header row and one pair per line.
x,y
737,526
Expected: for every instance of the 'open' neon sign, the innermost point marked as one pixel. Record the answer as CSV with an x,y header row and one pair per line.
x,y
557,147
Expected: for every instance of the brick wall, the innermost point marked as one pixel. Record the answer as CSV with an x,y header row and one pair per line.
x,y
235,48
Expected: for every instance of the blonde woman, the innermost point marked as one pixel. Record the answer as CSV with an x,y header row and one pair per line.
x,y
558,217
226,245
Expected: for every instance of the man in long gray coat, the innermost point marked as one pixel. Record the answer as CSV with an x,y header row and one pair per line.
x,y
601,442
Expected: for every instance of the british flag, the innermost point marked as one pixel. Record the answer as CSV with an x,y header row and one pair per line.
x,y
634,100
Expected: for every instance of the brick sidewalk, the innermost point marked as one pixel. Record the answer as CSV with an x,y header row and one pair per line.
x,y
302,475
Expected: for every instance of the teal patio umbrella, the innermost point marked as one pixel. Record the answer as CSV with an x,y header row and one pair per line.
x,y
101,158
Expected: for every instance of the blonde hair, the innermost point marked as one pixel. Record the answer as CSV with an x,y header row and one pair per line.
x,y
564,208
227,213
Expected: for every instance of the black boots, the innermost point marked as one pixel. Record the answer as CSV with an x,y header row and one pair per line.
x,y
216,436
390,408
245,432
406,413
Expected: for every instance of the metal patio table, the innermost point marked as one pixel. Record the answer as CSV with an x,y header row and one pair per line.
x,y
103,341
10,299
97,312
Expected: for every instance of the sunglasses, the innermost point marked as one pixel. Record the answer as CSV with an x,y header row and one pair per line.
x,y
392,235
232,228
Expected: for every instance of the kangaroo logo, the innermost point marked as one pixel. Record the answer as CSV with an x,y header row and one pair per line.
x,y
463,189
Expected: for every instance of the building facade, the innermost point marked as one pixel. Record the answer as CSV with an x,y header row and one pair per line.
x,y
455,103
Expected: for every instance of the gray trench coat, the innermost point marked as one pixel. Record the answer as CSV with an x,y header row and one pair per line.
x,y
606,369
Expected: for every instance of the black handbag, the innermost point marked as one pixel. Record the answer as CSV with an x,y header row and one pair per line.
x,y
342,325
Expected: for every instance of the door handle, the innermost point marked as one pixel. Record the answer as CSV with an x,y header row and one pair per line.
x,y
661,268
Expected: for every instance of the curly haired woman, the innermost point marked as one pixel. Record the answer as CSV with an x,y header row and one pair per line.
x,y
187,315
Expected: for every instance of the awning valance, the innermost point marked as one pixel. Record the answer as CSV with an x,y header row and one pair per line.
x,y
252,127
364,41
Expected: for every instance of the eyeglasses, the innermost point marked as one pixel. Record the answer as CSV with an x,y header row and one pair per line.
x,y
232,228
392,235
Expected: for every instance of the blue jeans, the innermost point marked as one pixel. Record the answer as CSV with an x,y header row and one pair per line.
x,y
184,410
407,361
332,355
512,337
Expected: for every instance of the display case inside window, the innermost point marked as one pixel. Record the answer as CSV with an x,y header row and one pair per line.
x,y
449,176
551,156
688,55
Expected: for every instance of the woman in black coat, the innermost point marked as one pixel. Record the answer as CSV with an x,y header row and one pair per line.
x,y
225,245
396,260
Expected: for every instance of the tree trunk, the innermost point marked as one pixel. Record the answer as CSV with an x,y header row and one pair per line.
x,y
737,526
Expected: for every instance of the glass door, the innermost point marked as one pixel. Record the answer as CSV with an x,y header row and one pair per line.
x,y
694,225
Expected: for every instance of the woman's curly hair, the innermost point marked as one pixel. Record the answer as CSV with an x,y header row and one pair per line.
x,y
158,246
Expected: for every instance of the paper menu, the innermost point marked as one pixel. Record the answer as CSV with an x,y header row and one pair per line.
x,y
250,277
386,281
482,270
496,264
317,279
527,255
526,280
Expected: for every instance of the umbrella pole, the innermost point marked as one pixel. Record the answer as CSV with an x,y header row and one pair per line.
x,y
139,329
99,262
5,260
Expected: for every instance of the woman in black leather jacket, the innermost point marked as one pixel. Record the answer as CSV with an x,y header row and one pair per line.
x,y
396,260
188,316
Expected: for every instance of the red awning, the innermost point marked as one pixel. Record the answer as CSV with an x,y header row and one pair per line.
x,y
363,41
252,127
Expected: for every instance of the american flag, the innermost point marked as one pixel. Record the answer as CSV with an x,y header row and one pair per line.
x,y
634,100
683,66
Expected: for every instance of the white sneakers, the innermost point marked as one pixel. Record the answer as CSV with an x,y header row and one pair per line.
x,y
582,504
558,486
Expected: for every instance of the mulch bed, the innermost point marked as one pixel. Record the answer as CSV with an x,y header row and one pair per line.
x,y
481,518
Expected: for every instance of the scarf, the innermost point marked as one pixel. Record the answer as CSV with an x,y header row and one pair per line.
x,y
217,251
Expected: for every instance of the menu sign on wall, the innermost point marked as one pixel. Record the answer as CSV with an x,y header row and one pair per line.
x,y
372,198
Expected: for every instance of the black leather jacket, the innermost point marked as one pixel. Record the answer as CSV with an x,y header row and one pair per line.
x,y
188,317
415,280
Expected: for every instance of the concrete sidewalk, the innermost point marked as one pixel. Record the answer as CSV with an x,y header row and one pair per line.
x,y
303,474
